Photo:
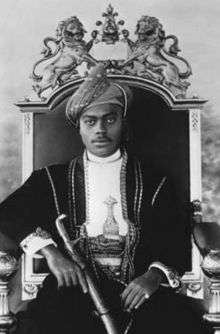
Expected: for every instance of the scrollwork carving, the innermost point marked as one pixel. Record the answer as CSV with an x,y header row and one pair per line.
x,y
151,59
196,208
194,287
64,53
151,56
27,123
31,289
195,120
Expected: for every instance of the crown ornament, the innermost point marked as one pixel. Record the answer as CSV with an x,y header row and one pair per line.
x,y
152,55
109,28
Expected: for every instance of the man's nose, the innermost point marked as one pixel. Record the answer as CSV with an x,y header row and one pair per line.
x,y
101,128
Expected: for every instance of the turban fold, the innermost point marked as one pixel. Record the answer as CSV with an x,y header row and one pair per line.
x,y
97,89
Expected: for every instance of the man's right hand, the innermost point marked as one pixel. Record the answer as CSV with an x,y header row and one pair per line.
x,y
68,273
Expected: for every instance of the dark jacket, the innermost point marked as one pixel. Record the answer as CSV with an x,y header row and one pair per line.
x,y
149,200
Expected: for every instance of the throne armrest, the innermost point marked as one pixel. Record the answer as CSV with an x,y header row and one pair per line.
x,y
8,266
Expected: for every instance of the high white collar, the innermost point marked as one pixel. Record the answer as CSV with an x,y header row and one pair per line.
x,y
111,158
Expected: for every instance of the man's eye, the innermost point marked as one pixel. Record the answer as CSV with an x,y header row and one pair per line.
x,y
90,122
110,120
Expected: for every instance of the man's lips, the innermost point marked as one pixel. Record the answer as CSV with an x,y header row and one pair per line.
x,y
101,140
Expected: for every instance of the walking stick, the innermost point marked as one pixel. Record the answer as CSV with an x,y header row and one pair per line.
x,y
102,309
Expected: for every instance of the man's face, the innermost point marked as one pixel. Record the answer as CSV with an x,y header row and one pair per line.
x,y
100,128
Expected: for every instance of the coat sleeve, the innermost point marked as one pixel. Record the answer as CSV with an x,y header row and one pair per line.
x,y
21,213
171,229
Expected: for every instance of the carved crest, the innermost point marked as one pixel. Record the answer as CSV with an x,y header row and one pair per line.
x,y
153,55
110,28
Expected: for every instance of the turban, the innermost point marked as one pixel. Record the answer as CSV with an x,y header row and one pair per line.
x,y
97,89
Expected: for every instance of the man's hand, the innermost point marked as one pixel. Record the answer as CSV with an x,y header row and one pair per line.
x,y
141,288
67,272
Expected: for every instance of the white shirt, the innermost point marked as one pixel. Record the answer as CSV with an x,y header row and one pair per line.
x,y
102,180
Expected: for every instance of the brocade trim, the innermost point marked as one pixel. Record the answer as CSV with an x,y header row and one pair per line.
x,y
136,192
126,265
54,191
36,240
172,276
71,197
123,186
85,165
141,192
138,202
158,190
133,236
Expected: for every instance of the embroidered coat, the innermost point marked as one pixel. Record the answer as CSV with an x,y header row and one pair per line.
x,y
159,229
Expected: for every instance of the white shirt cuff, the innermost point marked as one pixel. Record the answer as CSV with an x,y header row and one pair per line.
x,y
173,278
36,241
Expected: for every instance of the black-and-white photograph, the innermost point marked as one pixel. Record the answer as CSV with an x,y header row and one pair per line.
x,y
109,167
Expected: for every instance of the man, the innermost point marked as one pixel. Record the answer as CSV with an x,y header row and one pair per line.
x,y
125,221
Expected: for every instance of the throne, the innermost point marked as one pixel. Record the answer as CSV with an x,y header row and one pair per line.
x,y
165,127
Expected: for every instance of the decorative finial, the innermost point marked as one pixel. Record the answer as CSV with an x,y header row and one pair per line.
x,y
110,28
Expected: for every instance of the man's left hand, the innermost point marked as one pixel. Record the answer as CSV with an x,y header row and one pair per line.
x,y
141,288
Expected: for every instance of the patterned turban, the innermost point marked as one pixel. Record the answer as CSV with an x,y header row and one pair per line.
x,y
97,89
